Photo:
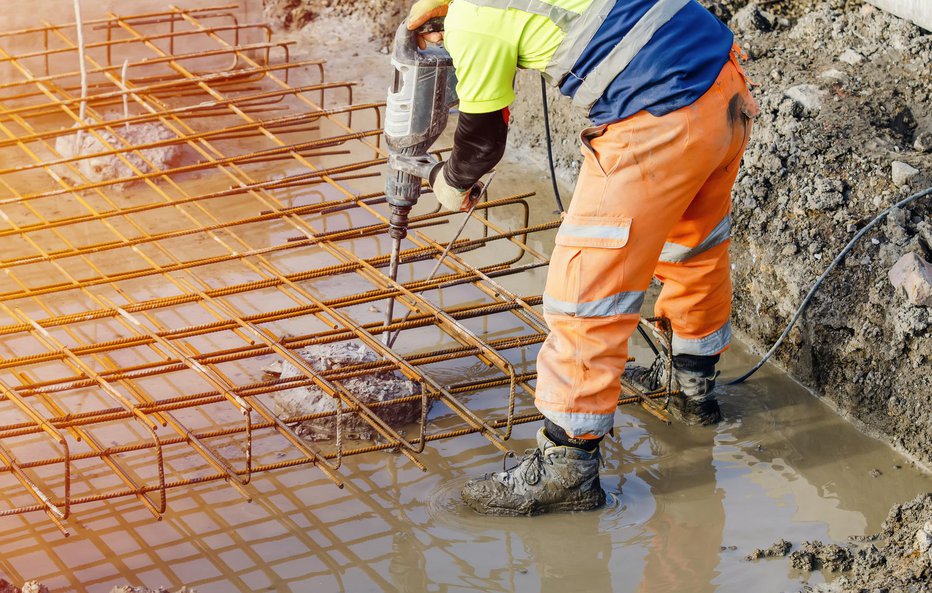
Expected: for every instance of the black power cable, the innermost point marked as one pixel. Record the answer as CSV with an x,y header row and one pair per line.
x,y
553,172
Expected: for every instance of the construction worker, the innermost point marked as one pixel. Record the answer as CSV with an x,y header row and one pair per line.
x,y
671,114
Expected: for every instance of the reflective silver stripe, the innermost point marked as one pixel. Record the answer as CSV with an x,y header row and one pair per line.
x,y
560,17
577,39
674,252
623,303
579,423
707,346
594,232
597,81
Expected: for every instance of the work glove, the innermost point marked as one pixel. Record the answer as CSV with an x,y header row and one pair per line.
x,y
423,11
453,198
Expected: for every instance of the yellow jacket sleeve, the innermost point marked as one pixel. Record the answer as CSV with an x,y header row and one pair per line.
x,y
485,68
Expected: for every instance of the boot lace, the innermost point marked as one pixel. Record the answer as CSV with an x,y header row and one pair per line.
x,y
528,470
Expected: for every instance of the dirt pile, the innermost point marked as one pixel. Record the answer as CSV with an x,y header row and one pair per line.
x,y
898,559
843,98
370,388
107,167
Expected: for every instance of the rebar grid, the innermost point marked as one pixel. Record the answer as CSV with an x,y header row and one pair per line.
x,y
137,318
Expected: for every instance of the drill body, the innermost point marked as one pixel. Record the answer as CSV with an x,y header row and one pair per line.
x,y
423,91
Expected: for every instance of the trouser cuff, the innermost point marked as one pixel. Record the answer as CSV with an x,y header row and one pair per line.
x,y
559,436
695,363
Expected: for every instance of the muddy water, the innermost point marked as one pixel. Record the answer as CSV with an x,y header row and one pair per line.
x,y
687,504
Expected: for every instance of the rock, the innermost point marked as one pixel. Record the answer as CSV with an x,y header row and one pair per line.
x,y
875,473
902,173
834,75
751,20
808,97
914,275
109,167
923,140
375,387
777,550
924,539
851,57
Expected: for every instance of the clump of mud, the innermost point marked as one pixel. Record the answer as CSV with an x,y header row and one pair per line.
x,y
818,556
777,550
371,388
108,167
899,558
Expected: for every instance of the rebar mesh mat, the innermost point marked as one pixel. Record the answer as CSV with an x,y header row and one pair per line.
x,y
144,295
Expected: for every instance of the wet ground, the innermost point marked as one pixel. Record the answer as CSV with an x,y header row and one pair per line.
x,y
687,504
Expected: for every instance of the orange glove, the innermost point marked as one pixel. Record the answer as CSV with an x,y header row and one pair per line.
x,y
423,11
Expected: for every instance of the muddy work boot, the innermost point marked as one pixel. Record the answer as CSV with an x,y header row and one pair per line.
x,y
694,376
550,478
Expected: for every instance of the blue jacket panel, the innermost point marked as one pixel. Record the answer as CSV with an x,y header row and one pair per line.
x,y
678,65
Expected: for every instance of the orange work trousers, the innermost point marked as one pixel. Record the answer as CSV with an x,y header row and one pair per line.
x,y
653,199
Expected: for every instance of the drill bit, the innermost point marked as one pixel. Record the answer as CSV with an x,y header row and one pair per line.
x,y
393,265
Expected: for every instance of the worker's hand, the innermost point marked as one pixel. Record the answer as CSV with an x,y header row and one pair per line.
x,y
453,198
423,11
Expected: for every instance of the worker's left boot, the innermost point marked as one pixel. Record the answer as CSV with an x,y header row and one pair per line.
x,y
693,376
550,478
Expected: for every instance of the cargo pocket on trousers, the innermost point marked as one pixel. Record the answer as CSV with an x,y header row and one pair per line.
x,y
589,246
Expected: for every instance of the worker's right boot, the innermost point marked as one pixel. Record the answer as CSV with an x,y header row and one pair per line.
x,y
693,376
550,478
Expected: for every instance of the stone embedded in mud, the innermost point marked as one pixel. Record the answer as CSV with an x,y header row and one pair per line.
x,y
807,97
850,57
375,387
113,166
902,173
924,539
914,275
777,550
